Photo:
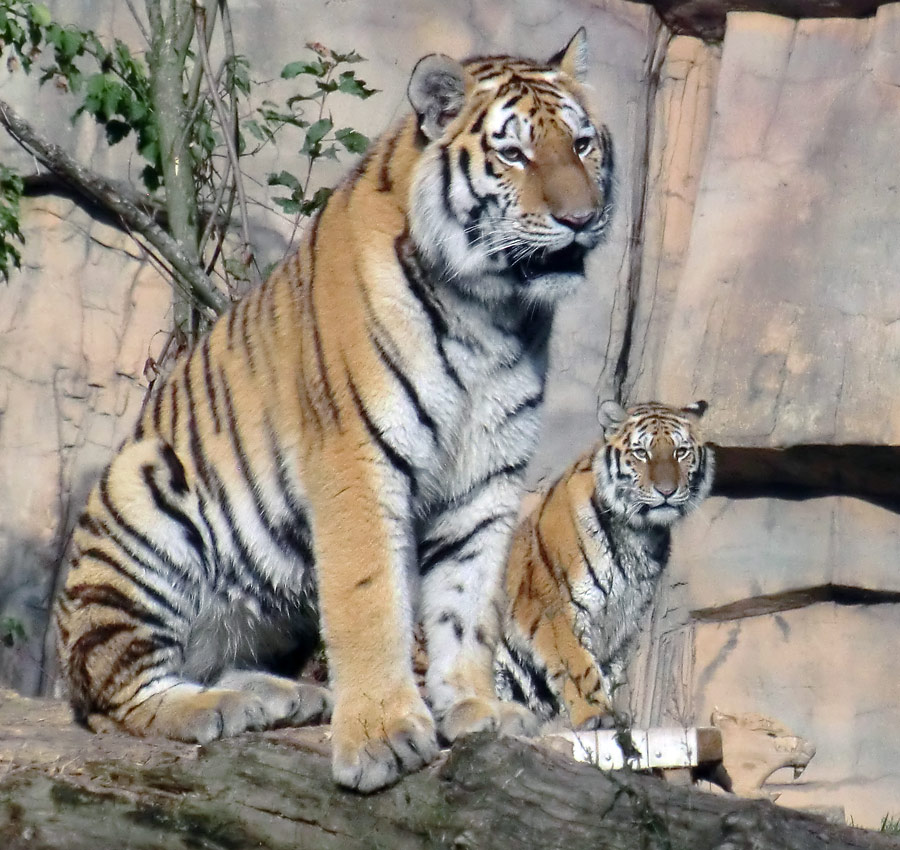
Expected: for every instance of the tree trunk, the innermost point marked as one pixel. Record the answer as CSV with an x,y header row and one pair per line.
x,y
64,787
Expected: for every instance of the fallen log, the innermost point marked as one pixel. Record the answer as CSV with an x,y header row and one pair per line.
x,y
64,787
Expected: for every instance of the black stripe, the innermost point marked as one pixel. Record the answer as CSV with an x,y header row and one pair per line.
x,y
85,645
314,324
107,559
589,566
139,649
284,534
415,279
232,318
127,527
174,412
558,570
89,523
247,336
449,617
177,477
530,403
400,463
176,514
108,596
477,487
479,122
195,443
157,407
447,181
603,517
540,688
410,390
385,184
210,384
428,560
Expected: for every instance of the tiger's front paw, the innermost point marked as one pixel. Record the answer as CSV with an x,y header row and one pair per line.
x,y
374,746
477,714
591,713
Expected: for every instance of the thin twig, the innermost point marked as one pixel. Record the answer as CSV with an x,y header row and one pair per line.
x,y
230,145
138,21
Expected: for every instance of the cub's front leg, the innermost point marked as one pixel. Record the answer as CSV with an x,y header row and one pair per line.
x,y
361,519
461,565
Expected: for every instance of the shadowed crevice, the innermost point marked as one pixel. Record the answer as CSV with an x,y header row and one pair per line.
x,y
774,603
867,472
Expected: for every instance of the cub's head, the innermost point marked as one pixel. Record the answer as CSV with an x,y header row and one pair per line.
x,y
653,466
515,175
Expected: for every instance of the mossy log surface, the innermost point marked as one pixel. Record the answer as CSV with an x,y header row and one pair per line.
x,y
64,787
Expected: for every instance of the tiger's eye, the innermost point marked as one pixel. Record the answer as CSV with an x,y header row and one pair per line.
x,y
583,144
640,454
512,155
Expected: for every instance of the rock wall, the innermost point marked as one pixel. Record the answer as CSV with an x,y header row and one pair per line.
x,y
767,288
750,263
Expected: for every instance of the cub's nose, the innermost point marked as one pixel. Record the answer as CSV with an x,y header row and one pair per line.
x,y
576,219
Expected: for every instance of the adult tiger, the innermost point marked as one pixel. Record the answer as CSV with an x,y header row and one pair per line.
x,y
370,411
585,561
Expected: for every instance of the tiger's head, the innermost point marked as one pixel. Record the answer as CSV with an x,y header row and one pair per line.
x,y
515,175
653,466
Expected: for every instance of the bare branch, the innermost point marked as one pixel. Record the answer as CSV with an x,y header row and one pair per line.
x,y
106,194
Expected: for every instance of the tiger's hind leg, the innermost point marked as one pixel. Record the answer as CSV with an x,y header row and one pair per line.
x,y
133,599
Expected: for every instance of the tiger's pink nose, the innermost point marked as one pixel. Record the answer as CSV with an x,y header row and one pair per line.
x,y
576,219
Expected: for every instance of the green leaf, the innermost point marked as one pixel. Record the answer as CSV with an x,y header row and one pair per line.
x,y
352,140
295,69
289,205
263,134
283,178
314,135
348,84
40,15
316,202
348,58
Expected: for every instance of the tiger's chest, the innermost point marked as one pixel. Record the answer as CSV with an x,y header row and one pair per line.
x,y
483,400
625,568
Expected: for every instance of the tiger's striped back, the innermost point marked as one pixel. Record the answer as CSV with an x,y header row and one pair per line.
x,y
586,560
344,452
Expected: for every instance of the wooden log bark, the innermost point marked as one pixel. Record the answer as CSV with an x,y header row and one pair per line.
x,y
64,787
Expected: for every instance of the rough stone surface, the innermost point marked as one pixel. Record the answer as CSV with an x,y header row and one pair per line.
x,y
791,252
845,698
706,19
76,328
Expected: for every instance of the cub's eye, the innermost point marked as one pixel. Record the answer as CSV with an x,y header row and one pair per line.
x,y
583,144
682,453
640,454
512,155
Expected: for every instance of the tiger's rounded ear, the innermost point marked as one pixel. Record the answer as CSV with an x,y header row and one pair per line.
x,y
611,415
697,409
573,58
437,91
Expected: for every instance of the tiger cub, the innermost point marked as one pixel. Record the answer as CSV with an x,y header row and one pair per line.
x,y
584,563
344,452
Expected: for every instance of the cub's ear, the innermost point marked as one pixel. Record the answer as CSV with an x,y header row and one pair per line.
x,y
611,415
573,58
696,410
437,91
